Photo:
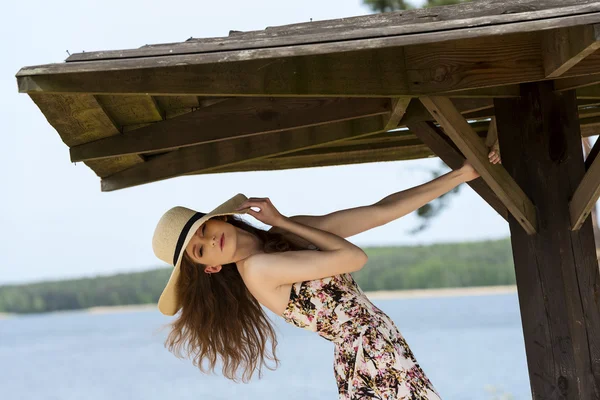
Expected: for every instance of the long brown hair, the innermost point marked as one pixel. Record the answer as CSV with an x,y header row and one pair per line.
x,y
220,319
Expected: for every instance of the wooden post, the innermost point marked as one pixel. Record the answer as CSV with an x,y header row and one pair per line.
x,y
556,268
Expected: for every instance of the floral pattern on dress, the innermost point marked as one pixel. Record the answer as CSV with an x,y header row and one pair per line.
x,y
371,360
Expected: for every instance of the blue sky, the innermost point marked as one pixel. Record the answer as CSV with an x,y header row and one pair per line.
x,y
55,222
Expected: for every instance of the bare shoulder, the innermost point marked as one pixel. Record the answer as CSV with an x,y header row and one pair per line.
x,y
259,281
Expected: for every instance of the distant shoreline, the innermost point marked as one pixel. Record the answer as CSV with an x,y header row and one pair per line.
x,y
375,295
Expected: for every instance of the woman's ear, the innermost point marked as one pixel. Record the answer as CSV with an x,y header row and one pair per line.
x,y
212,269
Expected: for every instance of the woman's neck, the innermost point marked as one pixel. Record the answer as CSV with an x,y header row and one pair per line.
x,y
247,245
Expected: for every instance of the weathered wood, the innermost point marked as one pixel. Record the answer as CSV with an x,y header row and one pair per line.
x,y
177,105
576,82
474,149
330,69
216,155
416,112
436,21
399,107
556,269
130,112
79,118
233,119
443,147
329,159
589,92
563,48
492,135
592,155
587,193
494,92
590,127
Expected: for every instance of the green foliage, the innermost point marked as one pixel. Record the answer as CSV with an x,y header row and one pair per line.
x,y
395,5
389,268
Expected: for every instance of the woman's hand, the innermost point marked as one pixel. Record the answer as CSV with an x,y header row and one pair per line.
x,y
267,213
467,172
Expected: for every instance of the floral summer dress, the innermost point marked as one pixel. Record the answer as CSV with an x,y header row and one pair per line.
x,y
371,360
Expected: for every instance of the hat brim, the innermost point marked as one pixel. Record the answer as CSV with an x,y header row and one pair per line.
x,y
168,303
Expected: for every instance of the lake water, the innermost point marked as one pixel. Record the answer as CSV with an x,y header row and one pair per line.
x,y
470,347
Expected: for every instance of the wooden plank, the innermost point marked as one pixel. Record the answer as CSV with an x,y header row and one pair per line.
x,y
563,48
590,127
177,105
330,69
416,112
592,155
457,128
216,155
79,118
492,135
443,147
330,159
438,21
576,82
556,269
236,118
130,112
586,195
398,107
493,92
589,92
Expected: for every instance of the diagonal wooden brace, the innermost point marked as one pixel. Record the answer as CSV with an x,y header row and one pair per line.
x,y
588,191
474,149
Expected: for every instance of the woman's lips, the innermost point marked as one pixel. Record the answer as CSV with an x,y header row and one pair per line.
x,y
222,241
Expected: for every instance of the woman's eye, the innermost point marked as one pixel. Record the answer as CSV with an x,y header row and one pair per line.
x,y
200,251
203,226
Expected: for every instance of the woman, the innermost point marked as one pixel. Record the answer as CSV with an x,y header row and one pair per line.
x,y
226,269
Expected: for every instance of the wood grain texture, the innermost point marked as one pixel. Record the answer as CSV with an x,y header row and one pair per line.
x,y
474,149
437,20
564,48
332,158
556,269
78,119
443,147
398,107
586,195
236,118
221,154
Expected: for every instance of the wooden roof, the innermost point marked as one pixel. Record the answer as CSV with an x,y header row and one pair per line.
x,y
314,94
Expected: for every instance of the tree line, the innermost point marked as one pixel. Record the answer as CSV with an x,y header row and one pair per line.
x,y
389,268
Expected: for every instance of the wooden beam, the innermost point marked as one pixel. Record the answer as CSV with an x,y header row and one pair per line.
x,y
416,112
292,161
589,92
457,128
211,156
399,107
563,48
420,69
576,82
492,134
228,120
587,193
592,155
556,269
443,147
418,25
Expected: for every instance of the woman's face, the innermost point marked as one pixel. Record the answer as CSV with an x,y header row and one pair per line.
x,y
213,244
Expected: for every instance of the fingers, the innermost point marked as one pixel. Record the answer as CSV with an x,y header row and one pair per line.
x,y
258,202
494,157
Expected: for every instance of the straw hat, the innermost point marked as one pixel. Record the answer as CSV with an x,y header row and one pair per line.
x,y
172,235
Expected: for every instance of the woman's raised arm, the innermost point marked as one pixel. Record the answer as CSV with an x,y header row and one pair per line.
x,y
349,222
